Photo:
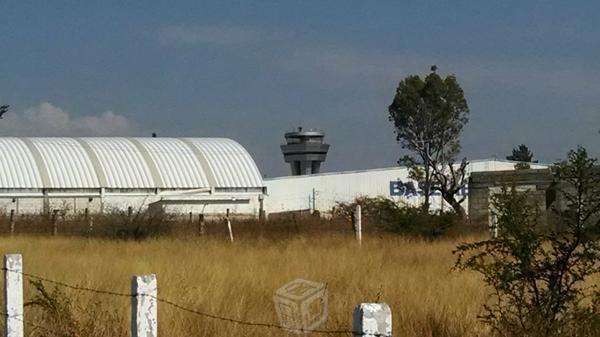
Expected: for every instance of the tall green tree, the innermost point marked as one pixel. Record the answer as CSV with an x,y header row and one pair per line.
x,y
428,115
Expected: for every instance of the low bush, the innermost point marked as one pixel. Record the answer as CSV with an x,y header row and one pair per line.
x,y
398,217
138,225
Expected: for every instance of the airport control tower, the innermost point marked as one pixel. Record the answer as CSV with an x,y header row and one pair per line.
x,y
305,151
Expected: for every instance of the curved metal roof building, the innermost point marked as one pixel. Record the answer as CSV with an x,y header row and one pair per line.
x,y
126,163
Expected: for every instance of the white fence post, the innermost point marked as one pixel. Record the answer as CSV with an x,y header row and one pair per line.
x,y
229,226
494,228
13,294
201,224
12,222
144,311
358,225
372,320
230,230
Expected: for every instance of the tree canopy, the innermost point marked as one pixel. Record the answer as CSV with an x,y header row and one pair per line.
x,y
428,115
523,155
3,110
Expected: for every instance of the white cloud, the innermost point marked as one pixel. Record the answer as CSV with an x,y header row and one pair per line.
x,y
215,35
47,119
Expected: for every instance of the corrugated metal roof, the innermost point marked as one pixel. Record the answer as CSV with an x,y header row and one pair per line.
x,y
172,153
66,162
230,163
121,162
126,163
17,165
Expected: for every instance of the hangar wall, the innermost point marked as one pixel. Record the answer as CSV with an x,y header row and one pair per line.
x,y
321,192
247,204
102,174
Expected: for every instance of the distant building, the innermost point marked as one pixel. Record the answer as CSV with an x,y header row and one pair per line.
x,y
304,151
209,176
176,175
321,192
483,185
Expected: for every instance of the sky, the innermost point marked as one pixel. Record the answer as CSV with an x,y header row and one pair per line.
x,y
252,70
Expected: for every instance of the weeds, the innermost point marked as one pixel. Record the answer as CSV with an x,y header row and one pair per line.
x,y
60,316
237,280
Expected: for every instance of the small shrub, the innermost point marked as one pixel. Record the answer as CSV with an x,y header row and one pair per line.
x,y
412,220
398,217
143,225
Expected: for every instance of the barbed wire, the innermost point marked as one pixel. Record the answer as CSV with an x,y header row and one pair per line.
x,y
247,323
191,310
70,286
20,318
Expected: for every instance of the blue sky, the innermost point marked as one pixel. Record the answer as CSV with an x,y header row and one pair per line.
x,y
252,70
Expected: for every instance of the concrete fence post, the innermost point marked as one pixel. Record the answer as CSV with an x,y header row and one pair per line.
x,y
261,208
230,230
494,227
12,221
201,224
13,294
372,320
144,311
90,224
229,226
358,224
55,222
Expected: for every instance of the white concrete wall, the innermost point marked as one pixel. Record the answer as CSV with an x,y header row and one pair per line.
x,y
295,193
250,210
21,205
247,204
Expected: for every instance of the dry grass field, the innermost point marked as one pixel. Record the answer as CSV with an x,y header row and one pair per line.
x,y
238,280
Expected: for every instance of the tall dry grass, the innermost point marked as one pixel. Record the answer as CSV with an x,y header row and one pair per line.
x,y
238,280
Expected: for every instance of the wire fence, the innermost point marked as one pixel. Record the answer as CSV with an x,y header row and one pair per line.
x,y
183,308
20,318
